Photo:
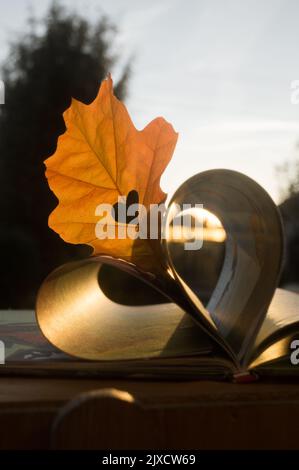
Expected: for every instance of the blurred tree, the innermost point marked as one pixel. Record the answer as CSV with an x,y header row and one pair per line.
x,y
290,215
288,177
69,58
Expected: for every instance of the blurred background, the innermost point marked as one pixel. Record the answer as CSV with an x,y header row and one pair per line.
x,y
221,72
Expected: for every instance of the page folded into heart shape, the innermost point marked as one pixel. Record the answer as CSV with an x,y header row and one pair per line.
x,y
76,315
252,258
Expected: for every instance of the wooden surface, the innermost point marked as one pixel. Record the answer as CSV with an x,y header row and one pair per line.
x,y
63,413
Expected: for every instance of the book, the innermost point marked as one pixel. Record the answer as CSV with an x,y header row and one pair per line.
x,y
214,312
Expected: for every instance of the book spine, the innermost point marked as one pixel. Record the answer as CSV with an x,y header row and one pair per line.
x,y
245,377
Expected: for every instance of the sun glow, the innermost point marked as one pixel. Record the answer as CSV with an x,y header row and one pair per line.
x,y
211,229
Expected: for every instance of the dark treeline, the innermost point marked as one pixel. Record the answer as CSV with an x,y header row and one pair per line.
x,y
69,58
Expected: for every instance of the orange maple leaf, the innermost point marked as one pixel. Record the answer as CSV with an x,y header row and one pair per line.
x,y
100,157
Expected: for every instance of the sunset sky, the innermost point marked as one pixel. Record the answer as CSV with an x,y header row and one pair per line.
x,y
220,72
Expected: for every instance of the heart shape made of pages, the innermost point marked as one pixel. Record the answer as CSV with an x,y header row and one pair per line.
x,y
87,316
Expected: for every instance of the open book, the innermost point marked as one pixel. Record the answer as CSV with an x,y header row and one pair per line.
x,y
215,312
